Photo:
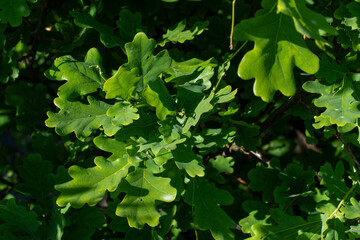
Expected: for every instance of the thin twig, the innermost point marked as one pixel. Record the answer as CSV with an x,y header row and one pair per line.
x,y
232,24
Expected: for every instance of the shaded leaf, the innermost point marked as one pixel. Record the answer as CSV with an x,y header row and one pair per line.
x,y
186,159
206,198
333,179
13,11
107,35
89,185
129,24
156,95
19,218
84,223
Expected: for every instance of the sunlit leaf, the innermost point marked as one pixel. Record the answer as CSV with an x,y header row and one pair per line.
x,y
123,114
142,189
80,118
82,77
341,106
278,48
307,22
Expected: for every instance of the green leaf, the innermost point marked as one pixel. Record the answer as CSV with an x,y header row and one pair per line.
x,y
307,22
13,11
84,223
156,95
89,185
82,77
225,95
122,113
38,179
330,70
80,118
258,214
205,198
210,140
18,217
341,106
287,227
129,24
186,159
194,71
296,182
223,164
278,48
122,84
142,189
351,211
176,33
107,35
140,55
30,103
265,179
202,107
117,148
334,180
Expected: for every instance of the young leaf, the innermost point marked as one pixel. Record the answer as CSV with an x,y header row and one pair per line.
x,y
341,106
80,118
82,77
122,113
140,55
278,48
143,188
122,84
194,117
206,198
176,33
89,185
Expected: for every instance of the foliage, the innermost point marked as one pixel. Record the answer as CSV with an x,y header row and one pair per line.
x,y
131,119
